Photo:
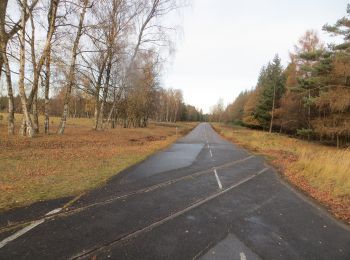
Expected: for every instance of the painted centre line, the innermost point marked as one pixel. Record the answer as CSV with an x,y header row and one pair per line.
x,y
217,179
53,212
242,255
20,233
92,251
211,154
27,228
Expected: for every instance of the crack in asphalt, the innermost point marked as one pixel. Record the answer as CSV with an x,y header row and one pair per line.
x,y
132,193
90,252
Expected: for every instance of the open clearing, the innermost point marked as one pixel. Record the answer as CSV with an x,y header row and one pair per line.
x,y
55,166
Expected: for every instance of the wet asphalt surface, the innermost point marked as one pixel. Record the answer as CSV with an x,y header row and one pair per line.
x,y
203,198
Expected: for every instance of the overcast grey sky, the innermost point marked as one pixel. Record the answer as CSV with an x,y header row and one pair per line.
x,y
226,42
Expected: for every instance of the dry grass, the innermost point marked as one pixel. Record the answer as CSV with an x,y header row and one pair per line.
x,y
322,172
54,166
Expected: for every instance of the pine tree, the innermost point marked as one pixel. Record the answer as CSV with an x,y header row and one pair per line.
x,y
309,53
272,84
333,102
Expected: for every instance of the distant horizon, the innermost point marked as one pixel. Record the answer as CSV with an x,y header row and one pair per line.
x,y
205,72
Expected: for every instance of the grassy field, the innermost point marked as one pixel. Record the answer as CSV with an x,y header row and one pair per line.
x,y
320,171
54,166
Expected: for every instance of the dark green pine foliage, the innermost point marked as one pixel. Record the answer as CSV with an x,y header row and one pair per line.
x,y
272,86
313,79
341,28
341,51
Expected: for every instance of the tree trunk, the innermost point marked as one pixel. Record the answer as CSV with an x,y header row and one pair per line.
x,y
11,114
114,120
167,112
97,93
47,93
46,51
3,38
104,97
175,115
71,76
35,113
27,118
6,36
75,107
5,62
32,102
112,111
338,142
273,108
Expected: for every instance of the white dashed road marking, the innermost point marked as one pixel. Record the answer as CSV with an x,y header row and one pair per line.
x,y
92,251
53,212
27,228
217,179
20,232
242,255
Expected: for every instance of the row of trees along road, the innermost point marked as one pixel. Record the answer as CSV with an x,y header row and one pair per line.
x,y
310,98
91,58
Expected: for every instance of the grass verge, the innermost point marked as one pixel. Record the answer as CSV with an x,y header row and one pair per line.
x,y
54,166
321,172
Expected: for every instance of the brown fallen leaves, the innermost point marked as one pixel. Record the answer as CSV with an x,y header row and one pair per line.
x,y
53,166
337,205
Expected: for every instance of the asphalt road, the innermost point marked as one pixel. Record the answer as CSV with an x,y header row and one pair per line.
x,y
203,198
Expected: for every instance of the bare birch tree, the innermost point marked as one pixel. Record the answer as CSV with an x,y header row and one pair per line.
x,y
71,73
5,36
22,41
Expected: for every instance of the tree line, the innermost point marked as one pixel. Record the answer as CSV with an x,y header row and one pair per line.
x,y
167,106
310,98
87,58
